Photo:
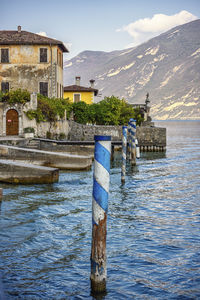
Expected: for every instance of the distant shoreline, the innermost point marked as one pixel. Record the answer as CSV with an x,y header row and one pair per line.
x,y
178,120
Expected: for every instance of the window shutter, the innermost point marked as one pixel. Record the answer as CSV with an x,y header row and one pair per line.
x,y
43,54
5,87
77,98
4,55
44,88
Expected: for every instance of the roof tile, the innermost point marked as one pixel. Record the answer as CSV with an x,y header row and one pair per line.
x,y
12,37
78,88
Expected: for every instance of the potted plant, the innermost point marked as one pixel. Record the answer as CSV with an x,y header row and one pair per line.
x,y
29,132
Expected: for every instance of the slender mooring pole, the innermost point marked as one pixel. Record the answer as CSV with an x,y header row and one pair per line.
x,y
1,193
99,213
133,134
137,148
124,146
129,140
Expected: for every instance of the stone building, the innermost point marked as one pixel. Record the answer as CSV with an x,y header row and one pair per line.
x,y
14,122
30,61
13,119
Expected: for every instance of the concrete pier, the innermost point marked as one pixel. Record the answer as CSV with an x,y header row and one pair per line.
x,y
62,161
23,173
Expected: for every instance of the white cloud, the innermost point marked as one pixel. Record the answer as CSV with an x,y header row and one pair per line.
x,y
43,33
144,29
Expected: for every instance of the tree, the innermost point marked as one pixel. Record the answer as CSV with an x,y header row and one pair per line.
x,y
81,112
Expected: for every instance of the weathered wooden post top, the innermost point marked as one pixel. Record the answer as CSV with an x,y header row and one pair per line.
x,y
124,148
99,212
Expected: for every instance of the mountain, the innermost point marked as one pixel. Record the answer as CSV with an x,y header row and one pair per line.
x,y
167,66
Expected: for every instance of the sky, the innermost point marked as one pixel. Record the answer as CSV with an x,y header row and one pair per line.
x,y
100,25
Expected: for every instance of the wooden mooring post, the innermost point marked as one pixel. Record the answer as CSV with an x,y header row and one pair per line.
x,y
137,149
129,141
133,134
124,149
101,181
1,193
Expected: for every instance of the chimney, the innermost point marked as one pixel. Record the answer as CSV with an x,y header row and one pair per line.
x,y
92,83
19,28
77,80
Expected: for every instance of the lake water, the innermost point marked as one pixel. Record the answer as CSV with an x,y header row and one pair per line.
x,y
153,240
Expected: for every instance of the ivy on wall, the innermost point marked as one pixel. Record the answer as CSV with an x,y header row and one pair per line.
x,y
15,96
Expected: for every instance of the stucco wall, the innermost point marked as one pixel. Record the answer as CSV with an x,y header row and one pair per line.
x,y
60,126
57,128
1,119
25,71
87,97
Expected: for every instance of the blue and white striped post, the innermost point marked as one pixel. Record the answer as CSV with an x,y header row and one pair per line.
x,y
133,134
99,212
124,146
137,148
129,139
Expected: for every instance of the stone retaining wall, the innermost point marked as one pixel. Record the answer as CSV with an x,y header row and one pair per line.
x,y
151,136
148,137
80,132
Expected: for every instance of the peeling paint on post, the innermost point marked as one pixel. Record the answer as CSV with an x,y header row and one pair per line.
x,y
133,134
99,213
129,140
137,149
124,146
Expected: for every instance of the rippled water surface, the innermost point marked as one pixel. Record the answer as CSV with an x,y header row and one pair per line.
x,y
153,240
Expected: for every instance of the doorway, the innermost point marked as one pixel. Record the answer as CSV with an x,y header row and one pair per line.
x,y
12,122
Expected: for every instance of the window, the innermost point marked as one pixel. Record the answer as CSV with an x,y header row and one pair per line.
x,y
43,55
5,87
44,88
77,98
59,58
60,91
4,55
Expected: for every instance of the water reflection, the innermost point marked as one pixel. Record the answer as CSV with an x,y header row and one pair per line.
x,y
1,200
152,230
153,155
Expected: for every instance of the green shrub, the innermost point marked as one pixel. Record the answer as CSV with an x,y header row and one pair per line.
x,y
81,112
49,109
1,96
62,136
109,111
48,135
15,96
29,130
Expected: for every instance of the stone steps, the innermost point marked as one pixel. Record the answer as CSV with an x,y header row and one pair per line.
x,y
25,173
64,161
33,144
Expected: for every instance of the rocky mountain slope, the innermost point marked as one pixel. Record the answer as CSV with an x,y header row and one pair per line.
x,y
167,66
